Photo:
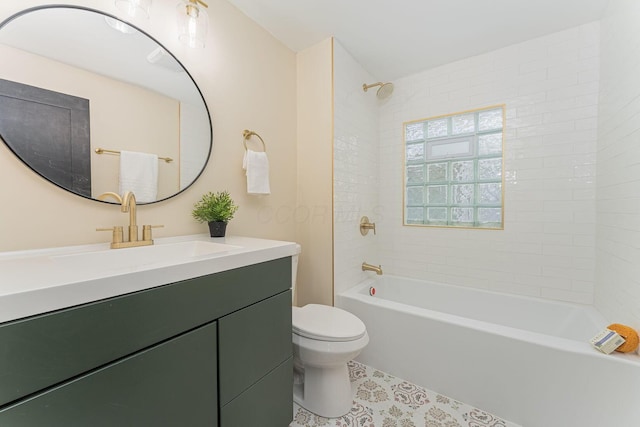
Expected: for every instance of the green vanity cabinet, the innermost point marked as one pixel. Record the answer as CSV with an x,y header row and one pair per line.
x,y
185,353
264,403
255,359
170,384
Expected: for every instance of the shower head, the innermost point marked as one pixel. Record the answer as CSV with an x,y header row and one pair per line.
x,y
384,91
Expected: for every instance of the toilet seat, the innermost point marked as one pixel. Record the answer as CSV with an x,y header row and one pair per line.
x,y
326,323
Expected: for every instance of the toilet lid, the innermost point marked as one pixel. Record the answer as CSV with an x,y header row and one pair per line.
x,y
326,323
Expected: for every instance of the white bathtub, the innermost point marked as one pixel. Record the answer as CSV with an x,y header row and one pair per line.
x,y
524,359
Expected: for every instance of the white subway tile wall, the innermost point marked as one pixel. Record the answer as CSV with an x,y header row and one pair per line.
x,y
547,249
356,177
617,292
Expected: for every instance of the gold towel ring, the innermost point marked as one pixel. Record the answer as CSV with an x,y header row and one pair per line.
x,y
248,134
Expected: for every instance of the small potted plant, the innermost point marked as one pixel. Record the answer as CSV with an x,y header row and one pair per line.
x,y
217,210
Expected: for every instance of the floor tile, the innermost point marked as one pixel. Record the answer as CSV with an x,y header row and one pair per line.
x,y
382,400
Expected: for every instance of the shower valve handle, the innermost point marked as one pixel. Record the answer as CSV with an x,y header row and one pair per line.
x,y
365,226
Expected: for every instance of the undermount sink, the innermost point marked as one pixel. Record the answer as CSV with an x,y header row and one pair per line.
x,y
167,253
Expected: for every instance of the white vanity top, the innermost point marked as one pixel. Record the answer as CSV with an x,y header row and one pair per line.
x,y
38,281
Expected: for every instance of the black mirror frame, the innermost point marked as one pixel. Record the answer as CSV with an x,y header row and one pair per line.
x,y
61,6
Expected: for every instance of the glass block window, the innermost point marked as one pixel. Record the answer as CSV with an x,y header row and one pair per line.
x,y
453,170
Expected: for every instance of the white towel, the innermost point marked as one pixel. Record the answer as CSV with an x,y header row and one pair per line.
x,y
139,174
256,164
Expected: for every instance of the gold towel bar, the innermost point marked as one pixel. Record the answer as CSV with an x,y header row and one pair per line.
x,y
116,152
248,134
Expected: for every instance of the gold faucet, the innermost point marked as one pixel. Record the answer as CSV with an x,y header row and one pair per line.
x,y
128,204
369,267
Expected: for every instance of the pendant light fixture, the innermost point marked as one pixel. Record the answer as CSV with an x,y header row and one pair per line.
x,y
134,8
192,22
118,25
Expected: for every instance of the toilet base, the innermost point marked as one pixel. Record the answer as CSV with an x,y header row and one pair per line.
x,y
325,391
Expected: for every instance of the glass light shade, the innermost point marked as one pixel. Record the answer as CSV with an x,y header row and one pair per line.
x,y
118,25
134,8
193,22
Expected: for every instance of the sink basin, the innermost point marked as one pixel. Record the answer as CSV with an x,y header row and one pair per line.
x,y
168,254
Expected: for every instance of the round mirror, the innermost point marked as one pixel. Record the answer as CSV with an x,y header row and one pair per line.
x,y
93,104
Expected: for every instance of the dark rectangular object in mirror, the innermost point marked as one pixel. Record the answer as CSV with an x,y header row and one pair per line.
x,y
49,131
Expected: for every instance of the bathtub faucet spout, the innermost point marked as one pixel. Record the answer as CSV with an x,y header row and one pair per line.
x,y
369,267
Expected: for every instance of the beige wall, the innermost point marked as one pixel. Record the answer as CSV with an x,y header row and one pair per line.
x,y
314,214
248,80
149,123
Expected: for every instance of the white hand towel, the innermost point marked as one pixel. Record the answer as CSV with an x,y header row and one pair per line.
x,y
139,174
256,164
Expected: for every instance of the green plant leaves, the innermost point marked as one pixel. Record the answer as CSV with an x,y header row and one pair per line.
x,y
214,207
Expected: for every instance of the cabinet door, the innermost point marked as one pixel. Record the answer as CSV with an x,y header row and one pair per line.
x,y
268,403
253,341
171,384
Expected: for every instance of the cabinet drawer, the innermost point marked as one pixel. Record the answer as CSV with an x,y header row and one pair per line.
x,y
170,384
268,403
253,341
42,351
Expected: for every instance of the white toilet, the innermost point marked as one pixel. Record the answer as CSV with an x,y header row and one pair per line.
x,y
325,338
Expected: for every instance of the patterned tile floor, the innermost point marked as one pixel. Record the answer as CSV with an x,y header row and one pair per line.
x,y
382,400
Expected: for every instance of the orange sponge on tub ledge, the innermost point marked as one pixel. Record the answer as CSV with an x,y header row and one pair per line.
x,y
630,337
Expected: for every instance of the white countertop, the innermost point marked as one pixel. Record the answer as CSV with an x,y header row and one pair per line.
x,y
43,280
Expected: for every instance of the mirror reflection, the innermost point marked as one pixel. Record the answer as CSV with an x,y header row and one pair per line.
x,y
93,104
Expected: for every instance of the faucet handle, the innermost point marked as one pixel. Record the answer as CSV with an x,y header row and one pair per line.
x,y
117,233
365,226
146,231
